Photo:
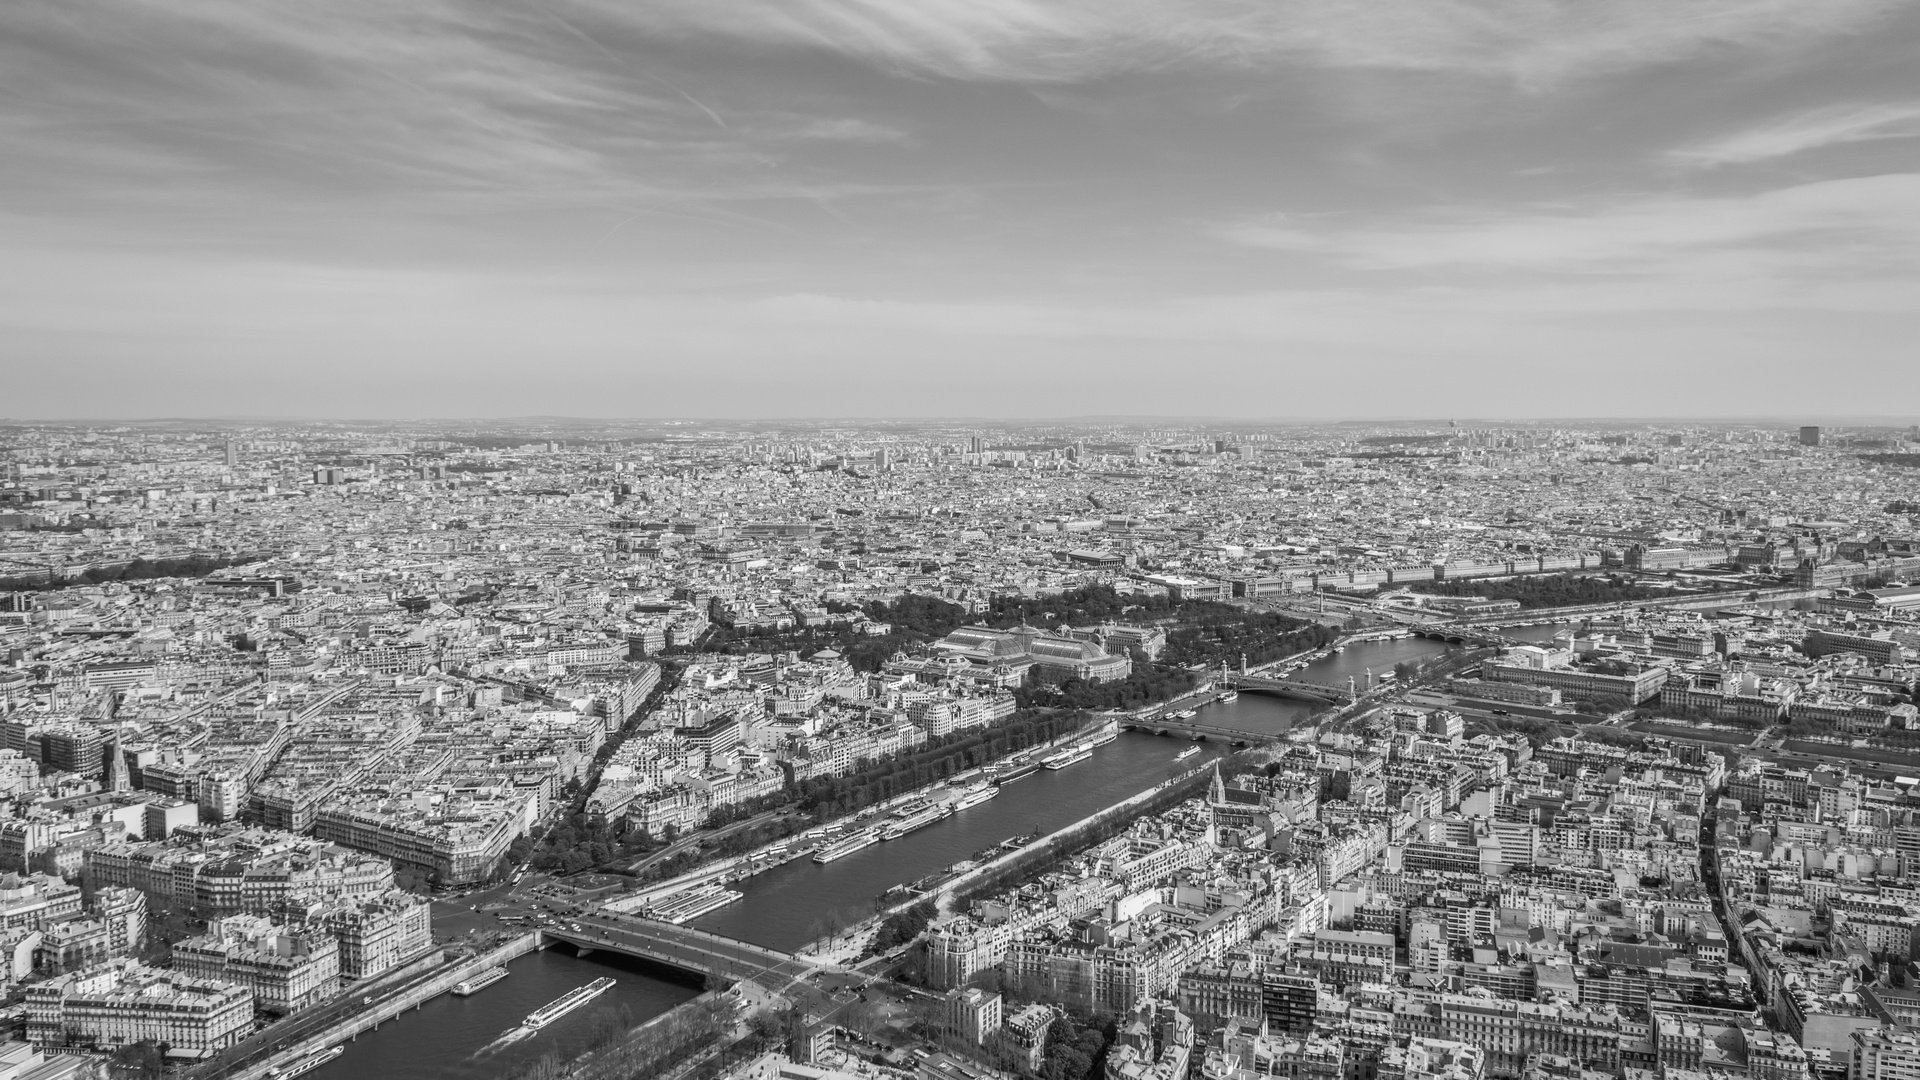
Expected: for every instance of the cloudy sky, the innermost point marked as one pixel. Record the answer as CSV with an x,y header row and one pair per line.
x,y
1262,208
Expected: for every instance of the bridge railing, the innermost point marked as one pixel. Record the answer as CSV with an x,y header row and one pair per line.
x,y
731,956
660,926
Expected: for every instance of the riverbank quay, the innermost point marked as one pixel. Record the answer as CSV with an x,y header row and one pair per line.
x,y
725,870
741,867
1693,602
1210,691
645,1050
726,1021
1021,863
350,1014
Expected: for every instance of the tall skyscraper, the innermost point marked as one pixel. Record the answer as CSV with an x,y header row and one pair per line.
x,y
233,454
1810,435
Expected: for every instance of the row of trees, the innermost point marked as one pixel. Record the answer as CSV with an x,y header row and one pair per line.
x,y
903,926
1041,857
1601,705
1215,633
582,841
912,620
1145,686
1548,590
659,1046
1077,607
183,566
1199,631
831,797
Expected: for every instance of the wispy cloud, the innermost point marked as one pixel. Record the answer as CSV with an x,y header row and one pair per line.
x,y
443,189
849,129
1858,227
1803,131
580,100
1530,42
454,103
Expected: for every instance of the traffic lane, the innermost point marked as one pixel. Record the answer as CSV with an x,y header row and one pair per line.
x,y
670,942
666,947
454,916
688,954
291,1030
666,933
704,836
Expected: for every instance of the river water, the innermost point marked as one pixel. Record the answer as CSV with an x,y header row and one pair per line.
x,y
796,903
479,1037
453,1038
790,905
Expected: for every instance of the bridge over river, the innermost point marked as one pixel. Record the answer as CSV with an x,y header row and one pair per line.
x,y
1282,686
1167,725
683,947
1459,634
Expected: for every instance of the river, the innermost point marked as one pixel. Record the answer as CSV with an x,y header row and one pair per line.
x,y
479,1037
452,1038
790,905
793,904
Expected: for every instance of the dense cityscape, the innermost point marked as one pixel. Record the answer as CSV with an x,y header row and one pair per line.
x,y
1443,751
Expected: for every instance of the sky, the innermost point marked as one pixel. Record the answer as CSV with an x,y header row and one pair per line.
x,y
924,208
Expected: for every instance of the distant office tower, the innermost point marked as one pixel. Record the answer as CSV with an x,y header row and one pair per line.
x,y
976,445
233,454
1810,436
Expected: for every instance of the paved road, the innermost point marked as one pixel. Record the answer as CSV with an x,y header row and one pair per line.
x,y
699,836
263,1045
677,945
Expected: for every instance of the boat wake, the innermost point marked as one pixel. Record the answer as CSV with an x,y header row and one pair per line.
x,y
511,1036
